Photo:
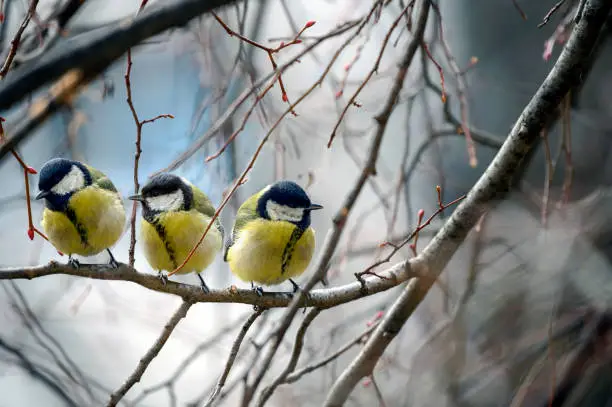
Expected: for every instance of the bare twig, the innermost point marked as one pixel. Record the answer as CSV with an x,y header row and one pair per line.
x,y
519,9
27,170
550,13
35,372
295,357
192,358
297,375
139,124
461,91
412,235
232,356
378,392
268,50
241,99
323,298
135,377
17,38
373,70
566,147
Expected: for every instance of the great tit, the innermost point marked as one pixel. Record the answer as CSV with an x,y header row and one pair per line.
x,y
83,213
272,240
174,216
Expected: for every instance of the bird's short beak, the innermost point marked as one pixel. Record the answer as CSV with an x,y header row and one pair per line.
x,y
42,194
314,207
136,198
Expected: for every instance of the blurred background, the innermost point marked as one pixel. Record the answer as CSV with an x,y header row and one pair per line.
x,y
521,314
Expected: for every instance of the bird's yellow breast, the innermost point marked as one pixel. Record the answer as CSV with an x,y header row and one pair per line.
x,y
100,218
257,252
170,237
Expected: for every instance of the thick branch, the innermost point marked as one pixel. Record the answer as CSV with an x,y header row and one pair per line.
x,y
492,185
324,298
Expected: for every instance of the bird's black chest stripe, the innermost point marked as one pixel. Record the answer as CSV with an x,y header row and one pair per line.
x,y
161,232
71,215
288,252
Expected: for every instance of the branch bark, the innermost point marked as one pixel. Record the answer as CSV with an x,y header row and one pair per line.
x,y
492,185
323,298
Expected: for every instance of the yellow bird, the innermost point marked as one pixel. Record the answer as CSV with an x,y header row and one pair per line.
x,y
83,212
272,240
174,216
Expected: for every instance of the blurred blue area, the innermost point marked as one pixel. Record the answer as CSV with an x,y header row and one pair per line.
x,y
162,83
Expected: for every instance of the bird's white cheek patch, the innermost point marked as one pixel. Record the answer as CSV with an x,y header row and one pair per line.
x,y
73,181
277,211
167,202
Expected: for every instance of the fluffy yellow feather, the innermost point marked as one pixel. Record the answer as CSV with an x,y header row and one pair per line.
x,y
99,212
182,232
257,254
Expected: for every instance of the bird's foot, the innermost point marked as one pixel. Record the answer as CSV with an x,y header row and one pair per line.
x,y
162,277
258,289
73,262
295,285
297,288
203,285
113,263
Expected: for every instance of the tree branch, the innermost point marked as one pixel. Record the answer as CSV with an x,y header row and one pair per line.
x,y
492,185
324,298
295,357
150,355
232,356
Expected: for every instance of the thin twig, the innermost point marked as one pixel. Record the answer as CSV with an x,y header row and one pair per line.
x,y
237,103
191,358
295,357
550,13
139,124
373,70
232,356
519,9
548,178
135,377
297,375
17,38
379,396
268,50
